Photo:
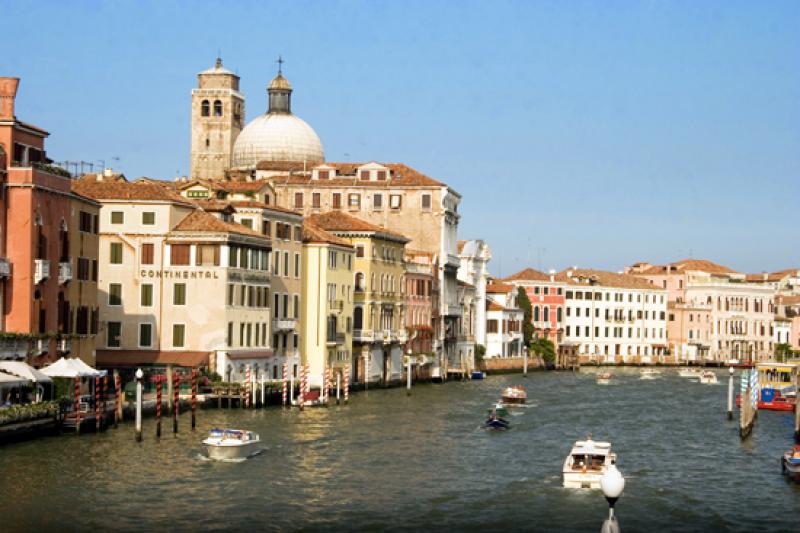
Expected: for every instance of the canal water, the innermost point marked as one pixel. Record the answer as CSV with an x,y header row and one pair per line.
x,y
388,461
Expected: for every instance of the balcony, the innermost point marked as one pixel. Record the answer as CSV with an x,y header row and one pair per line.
x,y
64,272
283,324
41,270
363,335
335,338
11,348
336,305
5,268
387,336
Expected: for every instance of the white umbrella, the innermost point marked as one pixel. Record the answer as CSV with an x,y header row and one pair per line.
x,y
70,368
89,371
24,370
8,379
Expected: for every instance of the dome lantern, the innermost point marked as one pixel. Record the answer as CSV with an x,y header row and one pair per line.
x,y
280,92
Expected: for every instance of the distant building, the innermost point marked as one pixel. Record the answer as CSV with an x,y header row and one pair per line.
x,y
503,321
474,257
546,293
422,309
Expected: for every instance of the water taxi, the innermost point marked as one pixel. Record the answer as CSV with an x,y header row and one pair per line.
x,y
708,378
690,372
790,463
586,463
231,443
515,394
603,378
777,386
649,373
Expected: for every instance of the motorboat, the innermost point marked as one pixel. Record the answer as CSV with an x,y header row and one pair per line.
x,y
586,464
495,422
500,408
603,378
790,463
649,373
690,372
773,400
515,394
224,444
478,374
708,378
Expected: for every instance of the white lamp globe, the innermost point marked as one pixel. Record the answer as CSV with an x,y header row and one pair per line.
x,y
139,373
612,482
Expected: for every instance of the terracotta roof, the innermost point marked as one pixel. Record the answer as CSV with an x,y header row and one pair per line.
x,y
123,190
702,265
499,288
773,276
238,185
793,299
528,274
338,221
249,203
494,306
401,175
112,358
314,234
199,220
214,205
582,277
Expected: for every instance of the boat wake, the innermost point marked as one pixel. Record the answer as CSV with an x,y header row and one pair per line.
x,y
204,457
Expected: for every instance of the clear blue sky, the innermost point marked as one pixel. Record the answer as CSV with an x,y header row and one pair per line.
x,y
588,133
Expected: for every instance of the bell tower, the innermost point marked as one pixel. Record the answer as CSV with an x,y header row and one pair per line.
x,y
217,119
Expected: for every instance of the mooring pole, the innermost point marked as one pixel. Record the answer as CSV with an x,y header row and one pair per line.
x,y
158,405
797,410
408,377
139,376
338,387
77,405
176,385
117,398
730,395
525,363
194,395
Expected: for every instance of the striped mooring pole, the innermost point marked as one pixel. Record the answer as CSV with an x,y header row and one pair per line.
x,y
284,384
247,386
326,385
176,384
117,398
194,396
158,405
97,403
301,394
104,395
346,384
77,406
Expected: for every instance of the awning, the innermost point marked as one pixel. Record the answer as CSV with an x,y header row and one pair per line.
x,y
117,358
24,370
236,355
8,379
71,368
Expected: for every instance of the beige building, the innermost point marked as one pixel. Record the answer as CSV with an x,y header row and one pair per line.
x,y
328,290
379,333
177,285
217,119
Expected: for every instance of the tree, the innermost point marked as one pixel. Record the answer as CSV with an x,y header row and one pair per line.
x,y
524,303
544,348
783,351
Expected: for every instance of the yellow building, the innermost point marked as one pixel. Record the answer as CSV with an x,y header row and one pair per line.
x,y
327,324
379,333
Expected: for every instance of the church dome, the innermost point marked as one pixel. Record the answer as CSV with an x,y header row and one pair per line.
x,y
277,135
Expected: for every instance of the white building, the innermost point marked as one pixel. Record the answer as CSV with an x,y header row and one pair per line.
x,y
503,321
474,256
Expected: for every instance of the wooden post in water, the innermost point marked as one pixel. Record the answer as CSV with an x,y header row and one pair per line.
x,y
408,376
346,379
525,362
77,405
194,395
747,411
176,385
301,397
730,395
797,408
284,384
158,405
170,384
97,418
104,394
338,387
117,398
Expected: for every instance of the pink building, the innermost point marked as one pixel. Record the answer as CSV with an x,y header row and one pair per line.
x,y
422,302
546,293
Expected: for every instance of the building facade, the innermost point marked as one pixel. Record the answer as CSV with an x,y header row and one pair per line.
x,y
503,322
422,310
546,293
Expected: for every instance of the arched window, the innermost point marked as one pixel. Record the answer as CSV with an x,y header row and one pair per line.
x,y
372,282
536,314
204,108
546,314
217,108
360,282
558,314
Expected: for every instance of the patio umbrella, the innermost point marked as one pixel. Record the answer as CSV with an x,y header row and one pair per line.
x,y
24,370
10,380
70,368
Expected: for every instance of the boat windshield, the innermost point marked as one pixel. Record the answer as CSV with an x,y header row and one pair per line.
x,y
591,462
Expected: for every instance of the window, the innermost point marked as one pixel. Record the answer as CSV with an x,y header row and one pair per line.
x,y
208,255
146,299
265,228
331,259
83,269
337,200
491,326
296,265
286,264
117,217
381,175
178,334
217,108
205,108
354,201
364,175
315,200
114,333
377,201
197,194
395,201
296,307
323,174
115,294
230,334
247,222
148,218
298,199
85,222
116,253
426,201
147,253
298,234
145,335
359,250
179,294
179,254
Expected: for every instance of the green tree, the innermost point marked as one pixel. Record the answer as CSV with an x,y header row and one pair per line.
x,y
783,351
544,348
524,303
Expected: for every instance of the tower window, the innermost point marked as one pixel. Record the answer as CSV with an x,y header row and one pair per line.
x,y
208,143
217,108
204,109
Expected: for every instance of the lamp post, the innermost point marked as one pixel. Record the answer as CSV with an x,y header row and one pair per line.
x,y
612,484
139,376
730,393
408,373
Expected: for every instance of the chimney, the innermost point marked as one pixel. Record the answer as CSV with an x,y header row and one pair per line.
x,y
8,93
108,172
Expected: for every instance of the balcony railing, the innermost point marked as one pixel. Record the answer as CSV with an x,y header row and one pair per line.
x,y
283,324
64,272
336,305
41,270
363,335
11,348
334,338
5,268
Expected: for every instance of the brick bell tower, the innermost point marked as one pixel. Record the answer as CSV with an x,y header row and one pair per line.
x,y
217,119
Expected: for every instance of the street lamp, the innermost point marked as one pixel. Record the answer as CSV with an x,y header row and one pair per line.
x,y
612,484
139,376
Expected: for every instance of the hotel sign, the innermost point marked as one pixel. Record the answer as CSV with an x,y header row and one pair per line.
x,y
178,274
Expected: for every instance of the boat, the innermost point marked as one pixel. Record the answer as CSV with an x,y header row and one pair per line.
x,y
604,378
496,422
790,463
586,464
649,373
777,388
515,394
500,408
690,372
772,400
708,378
231,443
478,374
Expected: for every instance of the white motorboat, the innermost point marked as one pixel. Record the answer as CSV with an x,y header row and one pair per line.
x,y
708,378
649,373
690,372
603,378
586,464
514,395
231,443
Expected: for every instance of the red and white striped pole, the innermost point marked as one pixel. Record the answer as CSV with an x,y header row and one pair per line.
x,y
301,395
346,384
326,384
117,398
247,386
176,385
285,383
194,395
158,405
77,406
104,395
97,403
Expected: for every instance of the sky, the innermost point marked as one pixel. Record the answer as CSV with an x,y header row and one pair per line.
x,y
593,134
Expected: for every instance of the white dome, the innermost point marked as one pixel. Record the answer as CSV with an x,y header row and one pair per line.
x,y
277,137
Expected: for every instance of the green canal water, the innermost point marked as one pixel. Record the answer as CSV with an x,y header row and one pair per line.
x,y
388,461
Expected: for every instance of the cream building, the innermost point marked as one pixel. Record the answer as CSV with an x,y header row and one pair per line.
x,y
503,322
379,333
327,329
177,285
614,318
474,257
